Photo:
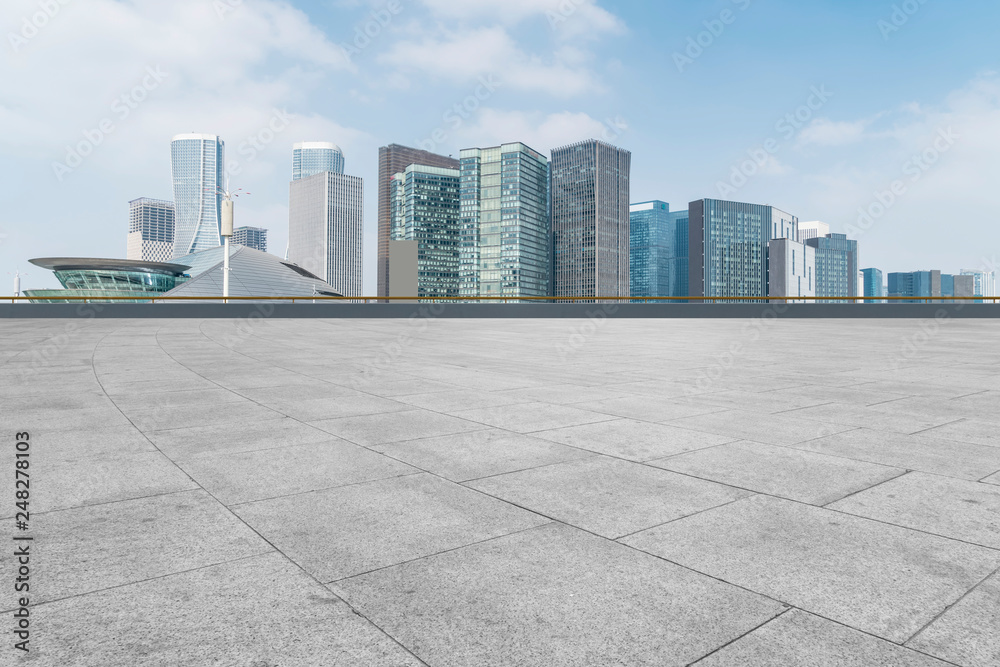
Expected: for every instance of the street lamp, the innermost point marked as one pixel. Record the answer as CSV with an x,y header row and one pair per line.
x,y
227,232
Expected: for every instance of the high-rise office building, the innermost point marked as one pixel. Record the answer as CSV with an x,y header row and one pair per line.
x,y
812,230
326,229
984,282
658,256
425,210
314,157
791,268
873,283
198,165
505,244
394,159
590,220
924,285
251,237
727,246
836,265
150,230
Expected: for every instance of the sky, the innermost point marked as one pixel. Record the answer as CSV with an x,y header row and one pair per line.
x,y
879,118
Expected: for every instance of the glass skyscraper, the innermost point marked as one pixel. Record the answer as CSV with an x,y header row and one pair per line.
x,y
314,157
425,209
504,219
728,246
984,282
873,283
590,220
658,256
836,265
198,165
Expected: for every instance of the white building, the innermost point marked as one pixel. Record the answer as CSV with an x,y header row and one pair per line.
x,y
791,269
326,228
812,230
985,281
150,230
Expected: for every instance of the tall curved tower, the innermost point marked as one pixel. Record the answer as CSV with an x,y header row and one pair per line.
x,y
198,165
314,157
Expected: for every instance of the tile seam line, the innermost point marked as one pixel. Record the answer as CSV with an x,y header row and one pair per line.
x,y
325,489
752,630
269,542
951,606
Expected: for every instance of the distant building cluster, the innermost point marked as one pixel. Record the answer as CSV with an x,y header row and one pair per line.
x,y
507,222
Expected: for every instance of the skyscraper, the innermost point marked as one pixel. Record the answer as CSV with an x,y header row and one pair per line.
x,y
590,220
836,265
326,229
251,237
873,283
811,230
791,269
425,209
198,164
658,254
150,230
984,281
314,157
728,246
505,245
394,159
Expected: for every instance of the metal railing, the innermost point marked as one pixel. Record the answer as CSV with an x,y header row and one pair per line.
x,y
513,299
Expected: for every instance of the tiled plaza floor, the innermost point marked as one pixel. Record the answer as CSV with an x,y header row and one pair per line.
x,y
506,493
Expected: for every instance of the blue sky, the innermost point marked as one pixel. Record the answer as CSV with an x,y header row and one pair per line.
x,y
825,109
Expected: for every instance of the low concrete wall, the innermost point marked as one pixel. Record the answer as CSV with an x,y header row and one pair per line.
x,y
491,311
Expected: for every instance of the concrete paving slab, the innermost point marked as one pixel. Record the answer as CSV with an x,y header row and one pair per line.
x,y
346,531
354,405
450,402
43,420
873,418
881,579
578,601
798,638
263,433
606,496
913,452
530,417
955,508
252,612
92,548
467,456
156,418
240,477
633,440
768,429
977,431
650,408
382,429
967,633
781,471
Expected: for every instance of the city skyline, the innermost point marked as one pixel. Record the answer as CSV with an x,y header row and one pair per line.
x,y
839,141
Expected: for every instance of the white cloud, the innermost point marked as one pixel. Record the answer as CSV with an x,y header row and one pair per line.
x,y
567,18
543,132
825,132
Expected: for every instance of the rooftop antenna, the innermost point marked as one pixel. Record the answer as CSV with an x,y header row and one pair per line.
x,y
227,231
17,281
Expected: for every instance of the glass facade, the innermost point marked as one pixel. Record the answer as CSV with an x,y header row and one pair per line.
x,y
425,208
97,279
315,157
658,257
590,220
728,246
836,265
198,164
873,283
504,219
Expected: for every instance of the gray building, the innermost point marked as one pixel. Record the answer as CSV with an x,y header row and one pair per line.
x,y
505,246
590,220
326,229
425,210
392,160
251,237
197,163
150,230
791,268
315,157
728,246
836,265
925,285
